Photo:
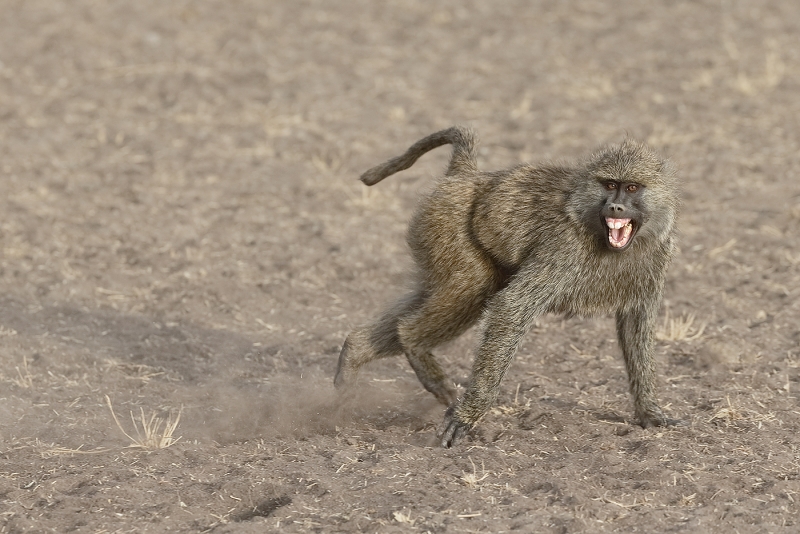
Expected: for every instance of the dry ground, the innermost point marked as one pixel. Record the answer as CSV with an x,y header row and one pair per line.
x,y
182,231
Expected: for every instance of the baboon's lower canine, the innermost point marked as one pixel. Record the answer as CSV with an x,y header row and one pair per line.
x,y
508,246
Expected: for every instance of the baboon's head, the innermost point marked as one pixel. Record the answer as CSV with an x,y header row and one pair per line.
x,y
625,193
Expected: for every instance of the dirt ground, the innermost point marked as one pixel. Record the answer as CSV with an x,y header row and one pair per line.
x,y
183,235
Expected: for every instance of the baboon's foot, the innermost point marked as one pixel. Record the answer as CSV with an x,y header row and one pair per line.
x,y
655,417
347,369
452,429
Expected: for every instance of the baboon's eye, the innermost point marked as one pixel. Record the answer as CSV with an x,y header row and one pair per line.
x,y
610,185
632,188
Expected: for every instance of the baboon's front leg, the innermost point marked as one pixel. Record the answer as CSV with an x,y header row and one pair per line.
x,y
635,330
509,315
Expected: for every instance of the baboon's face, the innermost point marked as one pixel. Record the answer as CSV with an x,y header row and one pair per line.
x,y
625,194
622,213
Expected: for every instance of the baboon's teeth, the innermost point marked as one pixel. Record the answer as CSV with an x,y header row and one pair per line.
x,y
616,223
619,231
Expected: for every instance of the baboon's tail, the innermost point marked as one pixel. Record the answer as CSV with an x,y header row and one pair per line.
x,y
462,160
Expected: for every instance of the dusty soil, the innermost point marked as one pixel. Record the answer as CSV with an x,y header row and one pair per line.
x,y
182,232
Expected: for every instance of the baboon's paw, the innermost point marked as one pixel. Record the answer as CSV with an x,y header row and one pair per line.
x,y
345,370
657,418
340,380
345,378
452,429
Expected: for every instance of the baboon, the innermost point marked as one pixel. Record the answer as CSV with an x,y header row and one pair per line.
x,y
505,247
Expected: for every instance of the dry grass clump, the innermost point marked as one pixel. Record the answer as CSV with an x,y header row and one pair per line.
x,y
404,517
471,480
24,378
152,435
679,328
730,415
514,409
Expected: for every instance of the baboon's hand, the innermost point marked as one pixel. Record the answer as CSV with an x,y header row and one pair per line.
x,y
452,429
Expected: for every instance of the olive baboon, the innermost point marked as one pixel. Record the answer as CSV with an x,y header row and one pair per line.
x,y
508,246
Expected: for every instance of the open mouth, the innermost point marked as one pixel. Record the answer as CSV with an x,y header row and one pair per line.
x,y
620,232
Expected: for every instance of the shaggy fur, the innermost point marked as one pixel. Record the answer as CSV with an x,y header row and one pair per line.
x,y
506,247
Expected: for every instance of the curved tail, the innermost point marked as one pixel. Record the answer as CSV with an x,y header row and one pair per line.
x,y
463,158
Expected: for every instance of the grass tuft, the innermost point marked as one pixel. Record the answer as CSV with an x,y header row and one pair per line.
x,y
24,378
151,435
679,328
471,480
403,517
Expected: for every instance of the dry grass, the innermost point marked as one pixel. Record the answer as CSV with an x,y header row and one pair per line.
x,y
155,433
471,480
7,332
680,328
514,409
142,372
52,450
404,517
731,415
714,252
726,415
24,378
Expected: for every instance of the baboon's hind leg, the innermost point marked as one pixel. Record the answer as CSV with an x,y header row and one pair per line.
x,y
431,375
443,316
372,342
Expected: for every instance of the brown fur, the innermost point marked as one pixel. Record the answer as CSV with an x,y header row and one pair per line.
x,y
508,246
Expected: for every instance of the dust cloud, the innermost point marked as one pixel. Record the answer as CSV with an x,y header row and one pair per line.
x,y
291,406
